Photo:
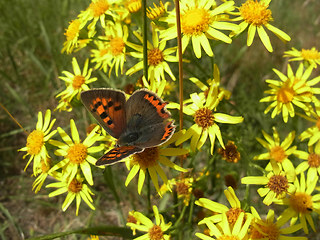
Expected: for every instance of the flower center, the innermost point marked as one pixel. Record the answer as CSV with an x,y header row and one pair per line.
x,y
116,46
278,154
285,94
131,219
278,184
182,188
46,165
147,158
310,54
77,153
256,13
314,160
155,56
75,186
233,214
268,231
226,237
156,233
204,117
195,21
301,202
156,12
133,5
230,153
99,7
35,142
103,52
73,30
77,82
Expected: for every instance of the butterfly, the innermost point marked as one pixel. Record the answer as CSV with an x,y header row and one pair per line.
x,y
140,122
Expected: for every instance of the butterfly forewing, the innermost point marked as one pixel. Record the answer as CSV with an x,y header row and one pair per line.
x,y
117,154
108,107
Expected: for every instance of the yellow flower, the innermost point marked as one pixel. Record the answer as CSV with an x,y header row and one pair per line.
x,y
76,82
72,36
111,50
97,10
43,171
37,139
269,229
149,160
311,163
256,15
224,231
76,190
199,23
157,11
219,209
293,89
301,204
76,153
206,120
133,5
277,184
277,152
183,187
158,57
222,93
313,133
154,231
311,56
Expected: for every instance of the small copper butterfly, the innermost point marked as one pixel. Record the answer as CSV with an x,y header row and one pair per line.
x,y
140,122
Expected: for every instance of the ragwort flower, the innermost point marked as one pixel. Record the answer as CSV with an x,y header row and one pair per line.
x,y
269,229
154,231
277,184
226,231
37,139
301,204
76,189
256,15
76,82
199,22
313,133
219,209
158,57
311,56
72,36
206,120
76,153
291,89
149,160
111,49
311,163
277,152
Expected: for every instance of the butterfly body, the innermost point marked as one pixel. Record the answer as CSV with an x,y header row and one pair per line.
x,y
140,122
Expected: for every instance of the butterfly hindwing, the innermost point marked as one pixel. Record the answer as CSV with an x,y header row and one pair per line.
x,y
116,154
147,120
108,107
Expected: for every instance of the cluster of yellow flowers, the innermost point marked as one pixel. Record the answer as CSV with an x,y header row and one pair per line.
x,y
106,26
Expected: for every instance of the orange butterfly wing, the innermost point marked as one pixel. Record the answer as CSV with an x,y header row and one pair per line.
x,y
108,108
116,154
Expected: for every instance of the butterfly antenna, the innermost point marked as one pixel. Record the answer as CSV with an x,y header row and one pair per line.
x,y
6,110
